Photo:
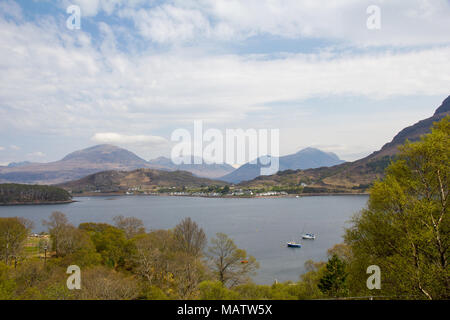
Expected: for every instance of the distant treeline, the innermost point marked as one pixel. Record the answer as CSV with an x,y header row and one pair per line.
x,y
11,193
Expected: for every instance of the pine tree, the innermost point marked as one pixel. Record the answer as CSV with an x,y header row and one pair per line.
x,y
333,282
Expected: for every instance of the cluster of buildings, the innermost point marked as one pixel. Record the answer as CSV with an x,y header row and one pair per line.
x,y
234,193
196,194
272,193
241,192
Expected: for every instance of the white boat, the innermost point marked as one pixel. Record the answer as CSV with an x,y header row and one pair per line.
x,y
309,236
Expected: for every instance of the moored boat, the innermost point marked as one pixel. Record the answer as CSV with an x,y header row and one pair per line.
x,y
292,244
309,236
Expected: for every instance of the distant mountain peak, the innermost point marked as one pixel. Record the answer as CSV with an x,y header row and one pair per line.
x,y
308,149
311,150
104,153
201,169
304,159
445,106
161,158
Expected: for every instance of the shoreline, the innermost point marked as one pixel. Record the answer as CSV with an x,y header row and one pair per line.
x,y
36,203
222,197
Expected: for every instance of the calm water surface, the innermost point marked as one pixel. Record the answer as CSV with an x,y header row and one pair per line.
x,y
260,226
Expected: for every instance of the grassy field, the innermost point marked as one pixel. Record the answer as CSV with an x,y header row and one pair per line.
x,y
34,246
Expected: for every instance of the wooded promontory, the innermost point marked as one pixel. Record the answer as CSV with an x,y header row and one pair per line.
x,y
11,193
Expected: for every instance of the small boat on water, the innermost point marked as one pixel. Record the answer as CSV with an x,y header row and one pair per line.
x,y
309,236
293,244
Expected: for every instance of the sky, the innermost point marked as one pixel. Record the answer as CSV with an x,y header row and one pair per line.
x,y
135,71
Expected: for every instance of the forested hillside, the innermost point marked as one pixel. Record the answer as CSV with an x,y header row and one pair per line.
x,y
11,193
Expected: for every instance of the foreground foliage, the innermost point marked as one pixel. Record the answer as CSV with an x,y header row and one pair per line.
x,y
405,229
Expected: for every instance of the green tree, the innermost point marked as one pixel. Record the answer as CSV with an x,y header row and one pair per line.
x,y
7,282
29,274
113,246
215,290
309,281
149,292
13,233
251,291
78,248
405,228
333,282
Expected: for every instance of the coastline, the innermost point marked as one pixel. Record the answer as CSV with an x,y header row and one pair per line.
x,y
36,203
111,194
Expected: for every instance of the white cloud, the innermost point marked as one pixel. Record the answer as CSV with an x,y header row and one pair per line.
x,y
14,147
66,83
168,23
111,137
2,148
91,8
404,23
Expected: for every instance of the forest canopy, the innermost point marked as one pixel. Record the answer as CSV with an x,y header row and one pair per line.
x,y
12,193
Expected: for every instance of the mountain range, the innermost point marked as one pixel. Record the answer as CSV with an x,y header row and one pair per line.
x,y
106,157
212,171
95,159
357,175
304,159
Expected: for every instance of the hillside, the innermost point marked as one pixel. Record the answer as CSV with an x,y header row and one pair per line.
x,y
32,194
304,159
353,176
137,180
